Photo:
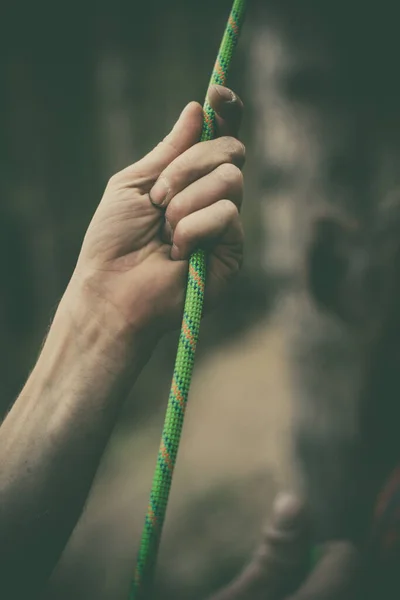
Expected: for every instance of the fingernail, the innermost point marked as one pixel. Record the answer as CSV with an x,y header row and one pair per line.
x,y
175,254
288,511
159,192
225,93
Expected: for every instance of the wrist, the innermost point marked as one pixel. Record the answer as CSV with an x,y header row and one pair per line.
x,y
120,304
91,341
66,411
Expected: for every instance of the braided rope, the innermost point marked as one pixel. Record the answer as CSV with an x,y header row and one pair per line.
x,y
182,376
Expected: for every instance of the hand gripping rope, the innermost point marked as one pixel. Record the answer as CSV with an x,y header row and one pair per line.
x,y
178,396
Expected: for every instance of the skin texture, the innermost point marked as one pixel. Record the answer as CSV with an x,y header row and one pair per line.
x,y
126,291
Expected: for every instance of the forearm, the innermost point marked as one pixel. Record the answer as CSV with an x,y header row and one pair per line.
x,y
52,440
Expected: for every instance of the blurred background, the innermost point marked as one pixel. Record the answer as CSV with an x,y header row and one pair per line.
x,y
89,87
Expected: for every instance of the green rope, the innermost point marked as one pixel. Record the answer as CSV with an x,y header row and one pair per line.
x,y
182,376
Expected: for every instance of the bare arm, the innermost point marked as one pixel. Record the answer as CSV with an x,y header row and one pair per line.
x,y
127,289
52,440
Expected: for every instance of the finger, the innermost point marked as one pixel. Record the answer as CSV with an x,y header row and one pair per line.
x,y
218,222
226,181
185,133
195,163
336,575
228,110
278,564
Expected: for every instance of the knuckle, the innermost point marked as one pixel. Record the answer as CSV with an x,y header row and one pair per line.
x,y
230,209
234,149
125,177
231,174
173,173
168,143
114,180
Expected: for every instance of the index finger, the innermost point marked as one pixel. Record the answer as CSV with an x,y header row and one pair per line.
x,y
228,110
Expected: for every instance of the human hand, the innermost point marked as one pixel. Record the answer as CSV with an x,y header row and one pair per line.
x,y
280,568
127,288
182,195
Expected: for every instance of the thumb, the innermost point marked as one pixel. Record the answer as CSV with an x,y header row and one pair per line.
x,y
185,133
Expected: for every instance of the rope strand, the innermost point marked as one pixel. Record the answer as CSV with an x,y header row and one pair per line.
x,y
182,376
